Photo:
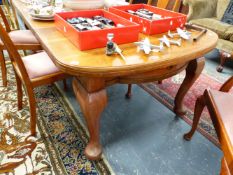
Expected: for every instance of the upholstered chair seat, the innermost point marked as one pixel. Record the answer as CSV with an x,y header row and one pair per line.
x,y
23,36
20,37
39,65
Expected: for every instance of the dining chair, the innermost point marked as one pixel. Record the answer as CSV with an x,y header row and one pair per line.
x,y
166,4
220,106
31,71
22,39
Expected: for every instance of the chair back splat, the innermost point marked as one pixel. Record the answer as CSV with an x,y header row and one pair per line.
x,y
171,5
4,19
14,16
10,14
14,55
148,2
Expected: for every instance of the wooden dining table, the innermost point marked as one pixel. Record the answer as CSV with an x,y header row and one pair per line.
x,y
93,70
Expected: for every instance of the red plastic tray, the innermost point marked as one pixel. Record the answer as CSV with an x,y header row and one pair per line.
x,y
85,40
151,27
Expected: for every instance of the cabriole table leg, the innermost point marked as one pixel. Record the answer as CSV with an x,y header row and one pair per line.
x,y
92,105
193,71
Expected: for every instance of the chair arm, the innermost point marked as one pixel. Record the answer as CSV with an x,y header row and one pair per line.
x,y
227,85
201,8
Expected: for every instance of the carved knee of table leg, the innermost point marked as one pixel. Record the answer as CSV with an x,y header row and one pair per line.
x,y
193,71
223,57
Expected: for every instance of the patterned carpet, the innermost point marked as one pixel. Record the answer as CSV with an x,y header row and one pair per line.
x,y
58,148
166,92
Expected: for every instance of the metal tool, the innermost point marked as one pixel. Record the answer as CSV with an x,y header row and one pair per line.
x,y
194,27
197,28
196,38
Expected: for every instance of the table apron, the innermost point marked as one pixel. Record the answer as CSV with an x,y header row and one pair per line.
x,y
92,84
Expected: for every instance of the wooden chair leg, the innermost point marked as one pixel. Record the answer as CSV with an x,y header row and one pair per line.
x,y
223,57
199,106
160,81
224,168
65,85
32,105
3,68
25,53
19,92
128,94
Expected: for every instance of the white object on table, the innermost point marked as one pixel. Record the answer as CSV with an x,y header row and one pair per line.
x,y
147,47
110,3
58,5
83,4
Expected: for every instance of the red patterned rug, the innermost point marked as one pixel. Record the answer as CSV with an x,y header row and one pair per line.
x,y
166,92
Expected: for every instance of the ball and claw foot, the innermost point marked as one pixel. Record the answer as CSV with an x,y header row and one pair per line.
x,y
128,95
34,134
219,68
179,112
188,136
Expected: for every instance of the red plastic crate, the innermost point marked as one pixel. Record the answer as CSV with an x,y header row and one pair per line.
x,y
85,40
151,27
